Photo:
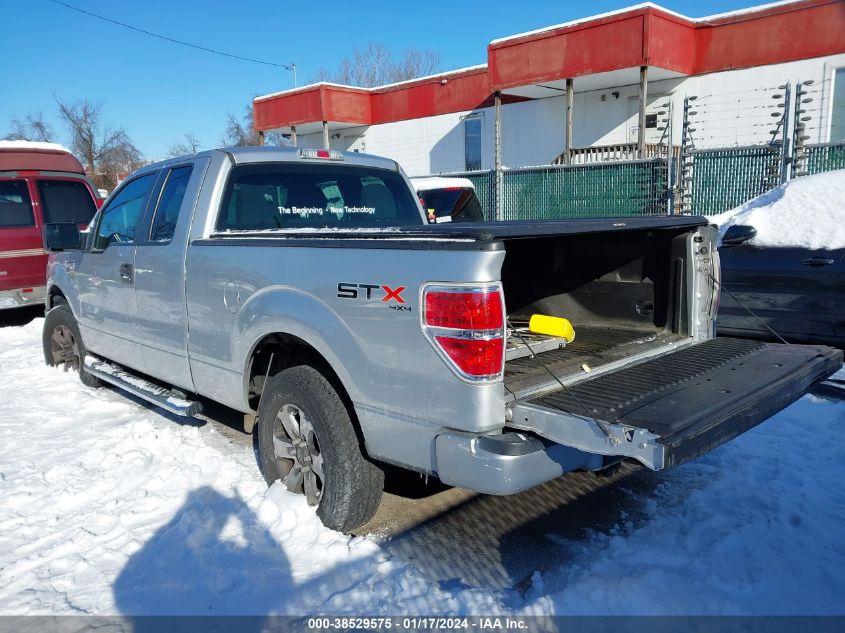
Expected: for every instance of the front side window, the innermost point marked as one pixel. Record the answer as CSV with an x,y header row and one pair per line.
x,y
15,205
167,211
66,201
292,196
472,143
120,217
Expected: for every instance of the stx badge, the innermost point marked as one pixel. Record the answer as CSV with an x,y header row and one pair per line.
x,y
371,292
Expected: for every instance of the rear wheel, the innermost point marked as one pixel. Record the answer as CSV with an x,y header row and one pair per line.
x,y
306,440
63,345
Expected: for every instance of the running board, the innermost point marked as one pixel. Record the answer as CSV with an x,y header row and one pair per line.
x,y
168,399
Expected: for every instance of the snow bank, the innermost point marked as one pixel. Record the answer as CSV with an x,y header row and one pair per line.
x,y
108,507
808,212
31,145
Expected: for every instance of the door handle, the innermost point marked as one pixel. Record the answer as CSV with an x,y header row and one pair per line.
x,y
126,272
818,261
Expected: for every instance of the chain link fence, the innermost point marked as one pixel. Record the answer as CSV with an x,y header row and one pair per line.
x,y
626,188
823,157
724,178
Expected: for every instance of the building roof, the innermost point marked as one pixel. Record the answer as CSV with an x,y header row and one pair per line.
x,y
603,48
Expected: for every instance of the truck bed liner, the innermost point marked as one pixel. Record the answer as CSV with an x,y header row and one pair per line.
x,y
593,346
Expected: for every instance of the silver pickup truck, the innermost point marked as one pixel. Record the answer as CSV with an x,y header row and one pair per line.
x,y
305,289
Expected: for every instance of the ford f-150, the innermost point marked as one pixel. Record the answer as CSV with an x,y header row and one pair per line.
x,y
306,289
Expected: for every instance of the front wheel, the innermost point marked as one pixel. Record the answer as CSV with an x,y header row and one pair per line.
x,y
63,345
306,440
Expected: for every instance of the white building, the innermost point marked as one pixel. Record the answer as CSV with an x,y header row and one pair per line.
x,y
614,77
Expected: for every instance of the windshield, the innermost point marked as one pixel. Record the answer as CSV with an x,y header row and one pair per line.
x,y
316,196
453,204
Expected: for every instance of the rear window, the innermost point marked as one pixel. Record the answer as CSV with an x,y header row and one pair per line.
x,y
66,201
292,196
453,204
15,205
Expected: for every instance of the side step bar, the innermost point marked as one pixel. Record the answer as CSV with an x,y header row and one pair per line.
x,y
168,399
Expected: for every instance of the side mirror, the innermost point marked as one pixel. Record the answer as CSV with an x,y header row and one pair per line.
x,y
738,234
62,236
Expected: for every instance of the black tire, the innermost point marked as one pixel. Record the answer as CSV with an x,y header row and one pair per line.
x,y
325,449
62,343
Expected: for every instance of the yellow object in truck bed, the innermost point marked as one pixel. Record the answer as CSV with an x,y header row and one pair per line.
x,y
552,326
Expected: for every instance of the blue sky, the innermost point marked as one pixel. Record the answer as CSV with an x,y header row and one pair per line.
x,y
158,91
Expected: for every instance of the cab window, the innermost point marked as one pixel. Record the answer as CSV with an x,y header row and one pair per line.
x,y
311,196
119,219
167,211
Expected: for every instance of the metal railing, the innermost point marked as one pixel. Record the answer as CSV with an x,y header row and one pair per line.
x,y
615,153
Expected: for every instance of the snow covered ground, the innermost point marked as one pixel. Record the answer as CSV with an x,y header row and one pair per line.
x,y
107,507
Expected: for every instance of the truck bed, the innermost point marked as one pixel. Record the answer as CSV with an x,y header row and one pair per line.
x,y
594,346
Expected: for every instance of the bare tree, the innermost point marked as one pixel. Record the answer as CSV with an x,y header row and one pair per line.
x,y
106,153
32,127
189,144
243,132
375,66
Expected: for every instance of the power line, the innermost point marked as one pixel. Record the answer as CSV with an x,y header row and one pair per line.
x,y
175,41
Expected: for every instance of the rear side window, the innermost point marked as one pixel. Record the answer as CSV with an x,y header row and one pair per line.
x,y
292,196
120,217
66,201
15,205
170,201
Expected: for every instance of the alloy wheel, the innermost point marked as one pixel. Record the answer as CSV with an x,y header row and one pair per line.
x,y
297,451
64,347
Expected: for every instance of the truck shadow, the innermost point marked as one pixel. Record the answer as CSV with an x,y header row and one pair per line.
x,y
214,553
204,561
214,550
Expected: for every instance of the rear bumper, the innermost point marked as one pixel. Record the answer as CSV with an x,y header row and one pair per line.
x,y
505,464
662,413
19,297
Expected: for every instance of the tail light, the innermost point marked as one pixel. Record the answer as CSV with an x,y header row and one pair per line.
x,y
466,325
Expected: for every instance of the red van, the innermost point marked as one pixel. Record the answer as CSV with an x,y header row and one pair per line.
x,y
39,183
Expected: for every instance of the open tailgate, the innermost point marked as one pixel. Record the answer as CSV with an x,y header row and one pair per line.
x,y
671,409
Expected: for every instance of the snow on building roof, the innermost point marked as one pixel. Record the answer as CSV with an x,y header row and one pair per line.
x,y
441,75
643,5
